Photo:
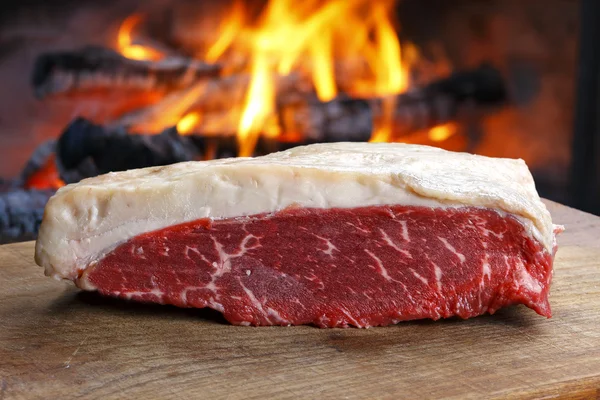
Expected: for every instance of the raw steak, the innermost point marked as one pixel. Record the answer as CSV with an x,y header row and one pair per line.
x,y
311,236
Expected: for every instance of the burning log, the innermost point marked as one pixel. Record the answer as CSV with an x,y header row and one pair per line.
x,y
214,97
441,101
300,113
39,158
93,68
341,119
85,150
21,213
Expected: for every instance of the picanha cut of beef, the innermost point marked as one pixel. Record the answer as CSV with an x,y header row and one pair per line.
x,y
334,235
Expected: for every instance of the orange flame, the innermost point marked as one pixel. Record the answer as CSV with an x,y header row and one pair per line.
x,y
168,112
292,32
322,71
259,105
442,132
186,125
47,177
391,77
229,28
125,42
340,46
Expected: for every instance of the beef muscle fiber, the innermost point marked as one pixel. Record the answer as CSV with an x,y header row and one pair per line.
x,y
333,235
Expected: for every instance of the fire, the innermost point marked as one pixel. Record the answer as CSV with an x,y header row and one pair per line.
x,y
46,177
304,36
391,76
381,134
259,105
337,47
125,41
442,132
322,72
172,109
286,33
229,28
186,125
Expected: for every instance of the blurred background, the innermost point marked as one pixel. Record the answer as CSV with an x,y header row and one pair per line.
x,y
92,87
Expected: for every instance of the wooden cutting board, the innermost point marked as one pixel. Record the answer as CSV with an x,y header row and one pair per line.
x,y
57,342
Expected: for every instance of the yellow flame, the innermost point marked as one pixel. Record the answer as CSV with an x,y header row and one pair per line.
x,y
312,35
309,38
229,29
291,33
442,132
382,130
322,71
168,112
125,41
186,125
391,77
381,134
259,104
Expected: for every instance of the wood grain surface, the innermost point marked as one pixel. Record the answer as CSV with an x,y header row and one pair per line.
x,y
57,342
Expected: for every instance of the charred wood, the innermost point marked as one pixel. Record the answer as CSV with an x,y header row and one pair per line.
x,y
214,97
21,213
222,93
462,96
225,146
93,68
86,149
342,119
38,159
455,98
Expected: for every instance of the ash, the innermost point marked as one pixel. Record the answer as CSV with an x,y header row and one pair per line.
x,y
21,213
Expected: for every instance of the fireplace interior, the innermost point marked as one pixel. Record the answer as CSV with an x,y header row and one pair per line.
x,y
96,87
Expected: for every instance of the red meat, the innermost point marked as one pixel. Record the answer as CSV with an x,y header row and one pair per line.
x,y
358,267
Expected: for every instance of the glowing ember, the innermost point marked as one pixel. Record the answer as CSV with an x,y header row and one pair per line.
x,y
186,125
442,132
46,177
125,42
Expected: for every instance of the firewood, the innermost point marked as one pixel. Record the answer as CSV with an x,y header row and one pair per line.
x,y
37,160
217,95
353,119
86,149
94,68
300,113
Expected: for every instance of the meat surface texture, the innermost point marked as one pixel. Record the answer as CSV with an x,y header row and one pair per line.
x,y
336,267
